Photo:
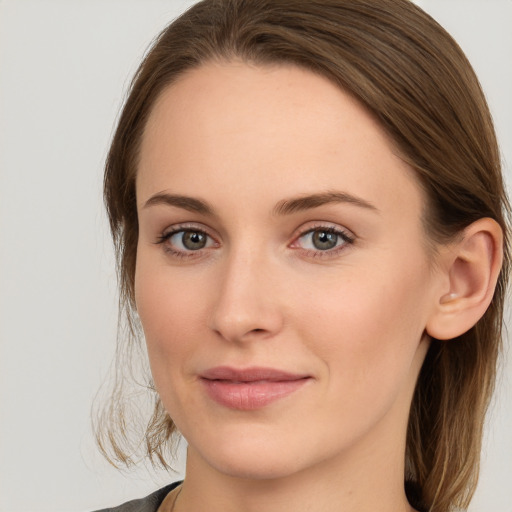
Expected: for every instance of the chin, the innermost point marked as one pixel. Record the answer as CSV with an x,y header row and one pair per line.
x,y
251,460
258,467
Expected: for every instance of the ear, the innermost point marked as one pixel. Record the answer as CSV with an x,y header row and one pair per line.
x,y
470,269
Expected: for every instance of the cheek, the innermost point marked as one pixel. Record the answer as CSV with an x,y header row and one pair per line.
x,y
169,313
368,329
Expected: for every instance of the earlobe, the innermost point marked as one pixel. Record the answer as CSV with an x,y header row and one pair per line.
x,y
472,267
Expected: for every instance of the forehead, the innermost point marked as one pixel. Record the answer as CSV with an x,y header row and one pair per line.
x,y
233,130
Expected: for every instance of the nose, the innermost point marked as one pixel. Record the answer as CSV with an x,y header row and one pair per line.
x,y
247,304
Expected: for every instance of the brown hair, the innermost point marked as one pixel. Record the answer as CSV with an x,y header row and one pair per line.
x,y
411,74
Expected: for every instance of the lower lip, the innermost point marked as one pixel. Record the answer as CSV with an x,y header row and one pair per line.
x,y
247,396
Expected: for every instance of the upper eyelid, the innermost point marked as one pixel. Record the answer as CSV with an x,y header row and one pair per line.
x,y
318,225
324,228
184,226
176,228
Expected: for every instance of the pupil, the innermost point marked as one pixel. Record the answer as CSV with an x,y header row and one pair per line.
x,y
324,240
193,240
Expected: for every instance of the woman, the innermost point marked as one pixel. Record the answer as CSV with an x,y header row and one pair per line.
x,y
310,218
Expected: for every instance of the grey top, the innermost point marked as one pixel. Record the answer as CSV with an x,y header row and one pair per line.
x,y
153,501
148,504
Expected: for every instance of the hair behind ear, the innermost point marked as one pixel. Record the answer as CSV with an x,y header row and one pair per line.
x,y
446,419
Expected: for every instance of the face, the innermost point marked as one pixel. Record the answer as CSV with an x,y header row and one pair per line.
x,y
282,278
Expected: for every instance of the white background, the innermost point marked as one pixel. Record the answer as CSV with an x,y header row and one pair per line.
x,y
64,68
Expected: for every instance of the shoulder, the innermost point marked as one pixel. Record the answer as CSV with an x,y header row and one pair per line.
x,y
148,504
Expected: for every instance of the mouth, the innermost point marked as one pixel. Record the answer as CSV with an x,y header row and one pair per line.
x,y
250,388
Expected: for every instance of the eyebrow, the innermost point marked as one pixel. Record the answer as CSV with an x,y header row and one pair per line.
x,y
187,203
308,202
284,207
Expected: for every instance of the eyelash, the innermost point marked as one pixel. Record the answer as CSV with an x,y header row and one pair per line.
x,y
346,239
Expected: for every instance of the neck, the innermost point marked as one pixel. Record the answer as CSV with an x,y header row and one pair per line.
x,y
369,478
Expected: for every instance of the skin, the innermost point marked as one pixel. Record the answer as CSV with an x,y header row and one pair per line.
x,y
243,139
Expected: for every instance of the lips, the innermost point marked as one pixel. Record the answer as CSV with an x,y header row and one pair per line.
x,y
250,388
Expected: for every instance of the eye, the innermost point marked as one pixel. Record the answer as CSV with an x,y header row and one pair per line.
x,y
183,241
323,239
189,240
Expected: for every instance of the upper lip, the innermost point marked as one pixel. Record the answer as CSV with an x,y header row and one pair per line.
x,y
252,374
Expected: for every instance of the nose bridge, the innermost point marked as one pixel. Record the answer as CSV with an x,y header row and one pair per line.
x,y
247,303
